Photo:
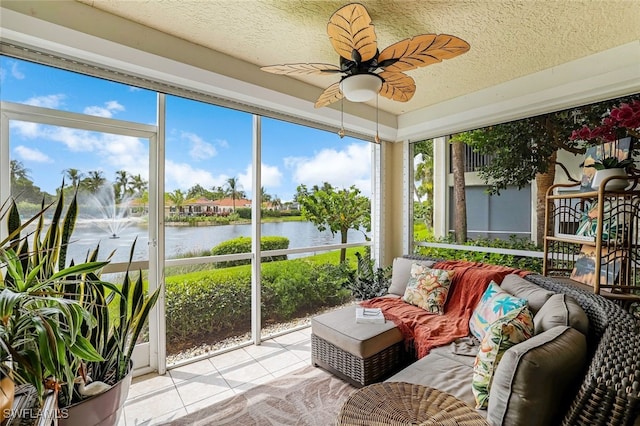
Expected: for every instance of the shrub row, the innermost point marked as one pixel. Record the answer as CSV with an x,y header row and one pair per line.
x,y
219,301
194,220
514,243
243,245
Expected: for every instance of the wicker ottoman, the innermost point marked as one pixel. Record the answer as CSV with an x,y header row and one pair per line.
x,y
359,353
399,403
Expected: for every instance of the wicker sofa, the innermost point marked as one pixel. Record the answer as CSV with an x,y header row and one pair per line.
x,y
609,389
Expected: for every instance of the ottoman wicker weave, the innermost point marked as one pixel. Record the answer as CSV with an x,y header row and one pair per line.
x,y
359,353
400,403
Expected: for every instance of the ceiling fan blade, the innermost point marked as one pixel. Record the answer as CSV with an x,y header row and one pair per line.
x,y
298,69
397,86
350,29
420,51
330,95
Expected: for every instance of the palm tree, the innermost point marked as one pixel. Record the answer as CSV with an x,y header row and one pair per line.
x,y
233,190
265,197
276,202
74,175
138,185
120,185
177,198
94,181
217,193
18,171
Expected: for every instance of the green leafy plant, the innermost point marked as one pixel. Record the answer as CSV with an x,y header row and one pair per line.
x,y
613,163
41,330
369,281
58,321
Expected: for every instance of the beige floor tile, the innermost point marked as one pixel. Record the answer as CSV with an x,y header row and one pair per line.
x,y
252,383
149,383
291,338
203,403
189,371
154,399
289,368
230,359
152,406
246,373
265,349
302,350
201,387
278,360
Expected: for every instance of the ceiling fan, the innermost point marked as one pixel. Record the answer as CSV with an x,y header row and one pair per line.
x,y
364,70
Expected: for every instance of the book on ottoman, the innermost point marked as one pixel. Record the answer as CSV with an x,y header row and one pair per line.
x,y
369,315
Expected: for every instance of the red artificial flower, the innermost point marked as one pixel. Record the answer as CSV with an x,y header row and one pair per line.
x,y
621,121
584,133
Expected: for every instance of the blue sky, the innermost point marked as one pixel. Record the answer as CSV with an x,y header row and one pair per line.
x,y
205,144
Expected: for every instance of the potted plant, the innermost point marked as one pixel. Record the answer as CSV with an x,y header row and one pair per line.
x,y
610,167
368,281
622,122
61,322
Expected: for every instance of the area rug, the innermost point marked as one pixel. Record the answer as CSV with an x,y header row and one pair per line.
x,y
310,396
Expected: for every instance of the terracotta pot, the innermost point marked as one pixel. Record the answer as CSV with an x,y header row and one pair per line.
x,y
104,409
612,184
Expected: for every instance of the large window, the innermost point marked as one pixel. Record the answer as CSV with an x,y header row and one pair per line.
x,y
300,164
195,223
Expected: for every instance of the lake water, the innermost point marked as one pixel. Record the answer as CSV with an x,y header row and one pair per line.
x,y
180,240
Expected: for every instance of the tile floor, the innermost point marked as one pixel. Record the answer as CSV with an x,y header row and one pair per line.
x,y
154,399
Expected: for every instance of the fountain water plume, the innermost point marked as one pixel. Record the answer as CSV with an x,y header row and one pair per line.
x,y
102,209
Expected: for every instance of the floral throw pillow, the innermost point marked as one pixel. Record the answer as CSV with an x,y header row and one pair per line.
x,y
515,327
428,288
494,304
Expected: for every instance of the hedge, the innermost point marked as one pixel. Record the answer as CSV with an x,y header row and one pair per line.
x,y
243,245
218,302
533,264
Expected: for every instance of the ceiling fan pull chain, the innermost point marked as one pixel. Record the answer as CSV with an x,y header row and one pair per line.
x,y
377,139
341,131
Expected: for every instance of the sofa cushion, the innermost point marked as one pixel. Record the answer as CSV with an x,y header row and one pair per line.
x,y
533,378
514,327
428,288
494,304
401,273
339,328
443,370
561,309
535,295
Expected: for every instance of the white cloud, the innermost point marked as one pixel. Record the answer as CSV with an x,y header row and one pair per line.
x,y
117,151
29,154
48,101
200,150
107,111
271,177
223,143
184,176
350,166
15,72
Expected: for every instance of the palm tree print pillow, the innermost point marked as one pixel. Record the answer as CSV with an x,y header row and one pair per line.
x,y
495,303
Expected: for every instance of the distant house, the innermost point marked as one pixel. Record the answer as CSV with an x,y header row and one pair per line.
x,y
199,207
226,205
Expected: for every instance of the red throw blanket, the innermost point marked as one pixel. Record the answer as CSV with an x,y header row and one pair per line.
x,y
427,330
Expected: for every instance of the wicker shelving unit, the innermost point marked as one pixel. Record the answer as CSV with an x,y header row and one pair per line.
x,y
593,238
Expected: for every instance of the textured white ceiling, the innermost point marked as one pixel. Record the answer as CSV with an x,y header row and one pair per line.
x,y
508,39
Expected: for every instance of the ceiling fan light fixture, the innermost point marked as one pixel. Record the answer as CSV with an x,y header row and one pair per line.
x,y
361,87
